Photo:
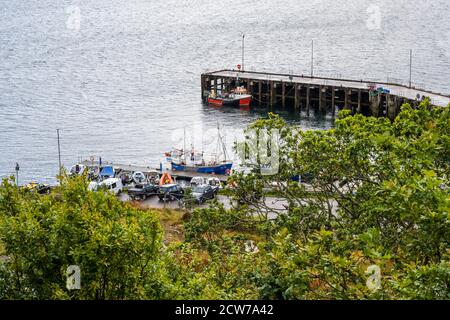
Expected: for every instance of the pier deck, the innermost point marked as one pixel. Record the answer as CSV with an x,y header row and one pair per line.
x,y
325,94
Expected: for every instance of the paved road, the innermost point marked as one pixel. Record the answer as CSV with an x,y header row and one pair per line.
x,y
154,202
274,205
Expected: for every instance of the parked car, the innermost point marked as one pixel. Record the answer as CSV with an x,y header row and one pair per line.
x,y
169,192
204,192
107,172
143,191
113,185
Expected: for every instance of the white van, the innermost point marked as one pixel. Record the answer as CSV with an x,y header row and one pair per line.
x,y
113,185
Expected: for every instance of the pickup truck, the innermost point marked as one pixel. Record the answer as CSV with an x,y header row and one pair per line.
x,y
143,191
170,192
204,192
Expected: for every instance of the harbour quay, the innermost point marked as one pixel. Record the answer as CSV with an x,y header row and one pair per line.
x,y
320,94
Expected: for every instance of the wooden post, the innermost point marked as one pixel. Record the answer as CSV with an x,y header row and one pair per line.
x,y
208,84
259,92
283,94
346,99
396,107
274,92
359,102
374,101
307,100
321,107
296,96
271,92
391,106
333,103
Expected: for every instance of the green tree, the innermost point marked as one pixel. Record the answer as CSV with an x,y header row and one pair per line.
x,y
377,194
117,247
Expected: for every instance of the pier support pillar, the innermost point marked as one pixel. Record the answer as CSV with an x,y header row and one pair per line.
x,y
333,103
283,94
390,105
259,92
308,89
396,106
346,100
374,101
322,97
271,92
296,98
358,110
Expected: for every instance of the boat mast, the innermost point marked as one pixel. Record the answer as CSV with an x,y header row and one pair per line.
x,y
220,141
184,147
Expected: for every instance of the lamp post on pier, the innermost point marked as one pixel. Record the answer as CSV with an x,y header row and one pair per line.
x,y
17,173
312,58
243,48
410,68
59,155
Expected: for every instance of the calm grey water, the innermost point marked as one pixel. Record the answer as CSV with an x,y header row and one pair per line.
x,y
120,84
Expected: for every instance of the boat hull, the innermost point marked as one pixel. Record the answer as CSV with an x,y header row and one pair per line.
x,y
224,168
236,102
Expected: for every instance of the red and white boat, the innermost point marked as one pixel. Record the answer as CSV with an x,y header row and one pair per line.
x,y
237,98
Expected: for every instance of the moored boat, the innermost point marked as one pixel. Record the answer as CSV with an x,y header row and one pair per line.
x,y
194,161
223,168
237,98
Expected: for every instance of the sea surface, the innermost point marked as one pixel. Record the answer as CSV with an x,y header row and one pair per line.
x,y
121,79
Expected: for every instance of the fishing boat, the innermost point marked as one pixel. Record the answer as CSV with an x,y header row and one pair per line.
x,y
223,168
195,161
236,98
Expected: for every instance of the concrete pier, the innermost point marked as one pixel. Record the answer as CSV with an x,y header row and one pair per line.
x,y
320,94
